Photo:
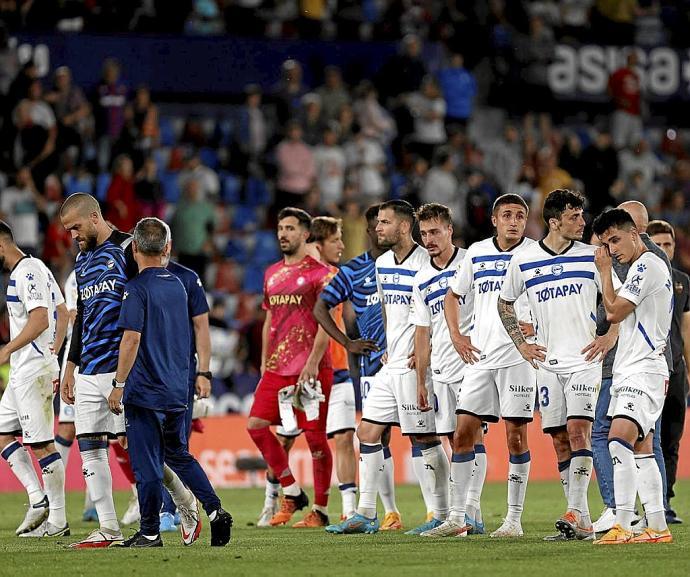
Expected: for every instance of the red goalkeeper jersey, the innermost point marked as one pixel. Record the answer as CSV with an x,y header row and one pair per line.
x,y
290,293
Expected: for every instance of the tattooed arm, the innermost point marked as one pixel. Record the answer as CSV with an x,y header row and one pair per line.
x,y
530,352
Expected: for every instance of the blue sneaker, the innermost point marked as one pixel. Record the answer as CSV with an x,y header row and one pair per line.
x,y
167,523
90,515
477,527
355,524
428,526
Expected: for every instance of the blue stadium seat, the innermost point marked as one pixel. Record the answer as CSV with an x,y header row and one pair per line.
x,y
81,184
253,282
237,250
209,157
266,249
170,186
102,184
257,192
167,131
231,188
398,180
244,217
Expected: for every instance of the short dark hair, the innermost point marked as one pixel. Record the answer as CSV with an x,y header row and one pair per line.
x,y
660,227
372,212
510,198
302,216
612,218
5,230
434,210
322,227
560,200
401,208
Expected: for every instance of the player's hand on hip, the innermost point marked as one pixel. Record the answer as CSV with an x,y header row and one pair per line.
x,y
411,360
527,329
203,387
362,346
463,345
532,353
599,347
115,401
423,398
602,259
67,390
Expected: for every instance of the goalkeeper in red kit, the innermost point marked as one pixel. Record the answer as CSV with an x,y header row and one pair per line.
x,y
294,362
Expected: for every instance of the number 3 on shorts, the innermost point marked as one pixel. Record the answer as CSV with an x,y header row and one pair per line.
x,y
544,392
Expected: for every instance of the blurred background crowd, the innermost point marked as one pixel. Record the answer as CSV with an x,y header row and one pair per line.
x,y
460,114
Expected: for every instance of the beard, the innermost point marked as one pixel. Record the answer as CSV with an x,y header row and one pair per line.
x,y
89,243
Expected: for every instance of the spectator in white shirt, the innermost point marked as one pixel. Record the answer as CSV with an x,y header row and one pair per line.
x,y
428,108
366,164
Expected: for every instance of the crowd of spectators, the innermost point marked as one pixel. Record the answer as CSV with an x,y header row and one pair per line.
x,y
332,148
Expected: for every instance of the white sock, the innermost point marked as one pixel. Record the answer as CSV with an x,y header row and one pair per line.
x,y
461,468
578,484
180,494
96,469
564,473
53,470
272,492
436,461
292,490
474,495
651,491
348,494
88,503
624,481
63,447
18,459
387,486
518,475
425,476
371,469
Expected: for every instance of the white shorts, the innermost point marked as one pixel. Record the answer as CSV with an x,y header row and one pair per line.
x,y
365,385
445,403
508,392
66,412
392,400
26,409
342,409
92,414
639,398
567,396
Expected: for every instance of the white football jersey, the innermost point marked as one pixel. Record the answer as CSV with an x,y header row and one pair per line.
x,y
430,288
32,285
395,282
71,295
562,290
482,273
643,333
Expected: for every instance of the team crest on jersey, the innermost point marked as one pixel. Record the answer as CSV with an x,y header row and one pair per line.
x,y
501,265
125,295
300,280
443,282
557,269
396,278
110,264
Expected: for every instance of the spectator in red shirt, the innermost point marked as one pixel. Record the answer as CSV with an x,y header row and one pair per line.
x,y
122,210
624,89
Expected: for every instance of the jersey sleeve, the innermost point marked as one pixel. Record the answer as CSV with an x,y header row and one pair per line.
x,y
514,283
461,283
196,298
419,312
133,309
642,281
33,288
339,289
58,297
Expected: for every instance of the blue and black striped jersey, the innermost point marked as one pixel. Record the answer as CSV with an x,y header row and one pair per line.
x,y
356,282
101,275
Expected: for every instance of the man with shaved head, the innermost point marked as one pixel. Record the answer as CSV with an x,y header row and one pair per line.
x,y
602,425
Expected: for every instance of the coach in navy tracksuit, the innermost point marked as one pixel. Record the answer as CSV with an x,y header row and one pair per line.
x,y
154,353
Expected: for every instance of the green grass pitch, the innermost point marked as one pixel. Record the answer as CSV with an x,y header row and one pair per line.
x,y
285,552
